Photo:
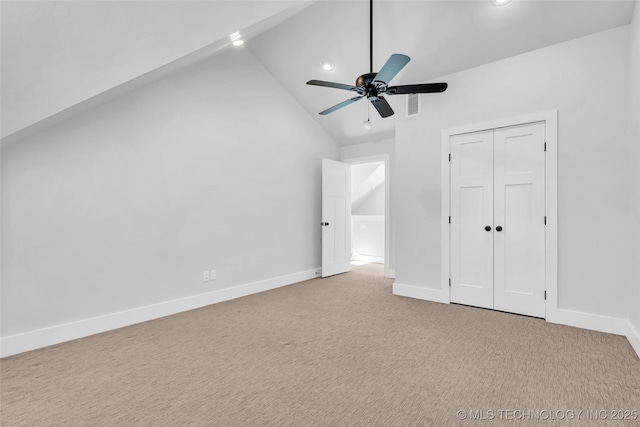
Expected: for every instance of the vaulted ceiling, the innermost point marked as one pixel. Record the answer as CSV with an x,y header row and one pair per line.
x,y
58,54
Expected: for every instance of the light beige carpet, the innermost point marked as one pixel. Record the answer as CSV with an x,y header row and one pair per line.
x,y
341,351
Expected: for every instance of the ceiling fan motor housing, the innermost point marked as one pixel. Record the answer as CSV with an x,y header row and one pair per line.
x,y
365,79
366,85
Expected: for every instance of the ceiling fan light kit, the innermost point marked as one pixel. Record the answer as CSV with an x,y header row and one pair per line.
x,y
374,85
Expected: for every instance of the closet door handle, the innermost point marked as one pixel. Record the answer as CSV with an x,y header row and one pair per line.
x,y
498,228
488,228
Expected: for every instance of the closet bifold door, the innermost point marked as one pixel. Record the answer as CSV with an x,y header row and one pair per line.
x,y
519,219
472,219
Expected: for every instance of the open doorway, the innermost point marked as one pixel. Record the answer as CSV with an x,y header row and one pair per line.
x,y
358,232
367,212
370,210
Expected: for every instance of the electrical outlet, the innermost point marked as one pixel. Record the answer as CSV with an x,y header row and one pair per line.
x,y
213,275
205,276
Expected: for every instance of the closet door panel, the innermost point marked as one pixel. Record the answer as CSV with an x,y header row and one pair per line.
x,y
519,238
471,212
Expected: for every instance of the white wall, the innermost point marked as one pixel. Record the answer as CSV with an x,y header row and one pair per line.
x,y
359,173
373,204
587,81
368,189
374,150
125,205
368,238
634,91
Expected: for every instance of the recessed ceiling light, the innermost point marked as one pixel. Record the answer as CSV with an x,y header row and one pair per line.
x,y
236,39
499,2
328,66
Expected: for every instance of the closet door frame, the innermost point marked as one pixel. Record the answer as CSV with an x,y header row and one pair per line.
x,y
550,118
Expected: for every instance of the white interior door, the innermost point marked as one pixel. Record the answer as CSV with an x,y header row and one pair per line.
x,y
519,218
336,217
471,213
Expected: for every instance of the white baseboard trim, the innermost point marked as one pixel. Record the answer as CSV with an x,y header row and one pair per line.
x,y
428,294
633,335
597,322
594,322
57,334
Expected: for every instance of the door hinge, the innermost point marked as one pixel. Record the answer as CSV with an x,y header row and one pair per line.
x,y
545,295
449,156
449,281
545,146
449,219
545,220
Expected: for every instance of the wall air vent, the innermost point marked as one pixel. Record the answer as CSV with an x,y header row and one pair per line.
x,y
413,104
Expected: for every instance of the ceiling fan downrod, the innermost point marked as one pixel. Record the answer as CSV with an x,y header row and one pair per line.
x,y
370,36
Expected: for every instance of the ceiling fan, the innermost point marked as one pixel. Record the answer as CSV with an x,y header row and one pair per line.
x,y
374,85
